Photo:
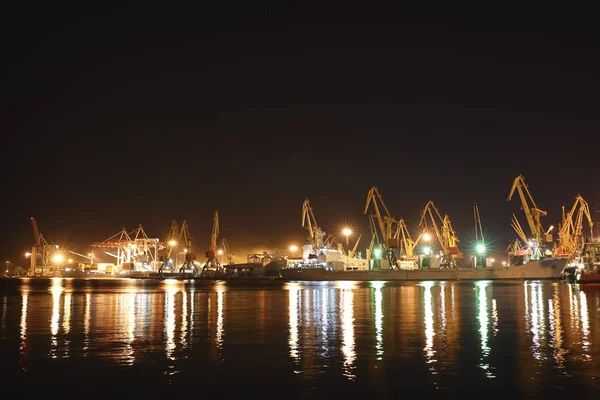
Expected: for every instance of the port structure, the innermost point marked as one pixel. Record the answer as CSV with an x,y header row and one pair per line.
x,y
445,234
175,236
388,229
134,249
535,245
42,253
189,266
571,237
213,268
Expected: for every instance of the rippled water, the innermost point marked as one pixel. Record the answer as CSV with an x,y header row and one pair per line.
x,y
301,339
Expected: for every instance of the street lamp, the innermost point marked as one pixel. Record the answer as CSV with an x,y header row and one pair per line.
x,y
347,232
294,249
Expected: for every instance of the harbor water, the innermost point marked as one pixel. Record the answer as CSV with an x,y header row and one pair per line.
x,y
534,339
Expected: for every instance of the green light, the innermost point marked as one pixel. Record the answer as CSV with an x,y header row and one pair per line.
x,y
426,251
480,248
377,252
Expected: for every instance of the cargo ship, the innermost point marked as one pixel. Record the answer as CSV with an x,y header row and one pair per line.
x,y
547,268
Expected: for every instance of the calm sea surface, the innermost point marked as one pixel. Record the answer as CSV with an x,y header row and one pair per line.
x,y
300,339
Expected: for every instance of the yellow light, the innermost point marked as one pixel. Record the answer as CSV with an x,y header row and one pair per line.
x,y
58,258
220,252
28,254
293,247
347,232
172,243
70,260
426,237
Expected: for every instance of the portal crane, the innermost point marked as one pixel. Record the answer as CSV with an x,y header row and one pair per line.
x,y
189,265
227,255
315,234
41,251
445,235
212,266
352,252
386,225
374,238
407,245
533,214
172,240
570,235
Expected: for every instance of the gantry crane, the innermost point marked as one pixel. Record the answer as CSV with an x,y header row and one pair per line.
x,y
444,233
538,237
189,265
212,267
315,234
571,239
173,238
386,225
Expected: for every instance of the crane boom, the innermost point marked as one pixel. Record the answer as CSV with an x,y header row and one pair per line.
x,y
315,233
532,213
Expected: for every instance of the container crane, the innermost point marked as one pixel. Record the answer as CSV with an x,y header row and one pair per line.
x,y
386,224
537,235
213,267
445,234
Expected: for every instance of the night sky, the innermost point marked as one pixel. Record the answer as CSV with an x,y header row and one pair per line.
x,y
124,119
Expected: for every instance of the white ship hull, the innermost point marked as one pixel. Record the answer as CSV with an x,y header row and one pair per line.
x,y
549,268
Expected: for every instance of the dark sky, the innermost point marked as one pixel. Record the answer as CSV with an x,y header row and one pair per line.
x,y
122,119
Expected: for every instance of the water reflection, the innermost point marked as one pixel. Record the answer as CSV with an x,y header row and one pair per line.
x,y
335,331
56,291
169,323
23,328
378,318
184,318
347,319
129,311
556,330
428,320
220,327
585,327
534,316
86,322
4,311
483,318
293,304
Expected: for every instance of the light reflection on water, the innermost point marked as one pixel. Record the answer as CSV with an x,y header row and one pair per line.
x,y
316,331
484,322
347,321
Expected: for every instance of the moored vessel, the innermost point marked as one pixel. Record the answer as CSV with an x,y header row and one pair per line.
x,y
547,268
